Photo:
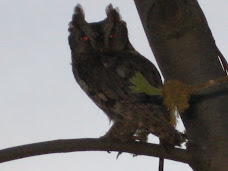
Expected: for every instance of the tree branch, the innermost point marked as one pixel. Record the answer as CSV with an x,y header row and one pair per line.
x,y
94,144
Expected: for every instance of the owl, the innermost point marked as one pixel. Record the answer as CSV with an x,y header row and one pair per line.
x,y
103,62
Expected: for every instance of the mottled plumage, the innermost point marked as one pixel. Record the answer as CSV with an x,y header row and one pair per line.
x,y
103,61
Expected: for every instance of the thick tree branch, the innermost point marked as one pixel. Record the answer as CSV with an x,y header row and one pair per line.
x,y
185,50
93,144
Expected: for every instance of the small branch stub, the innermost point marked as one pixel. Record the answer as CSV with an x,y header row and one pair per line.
x,y
175,94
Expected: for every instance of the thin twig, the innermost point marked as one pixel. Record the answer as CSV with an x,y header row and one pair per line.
x,y
209,84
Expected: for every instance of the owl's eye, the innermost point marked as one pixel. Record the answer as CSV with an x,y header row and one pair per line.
x,y
112,36
84,38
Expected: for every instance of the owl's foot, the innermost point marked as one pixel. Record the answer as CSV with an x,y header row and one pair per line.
x,y
121,132
110,137
116,138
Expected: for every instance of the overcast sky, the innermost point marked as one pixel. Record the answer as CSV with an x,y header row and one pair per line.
x,y
39,98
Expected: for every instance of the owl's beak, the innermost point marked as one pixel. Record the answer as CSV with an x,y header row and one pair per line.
x,y
99,46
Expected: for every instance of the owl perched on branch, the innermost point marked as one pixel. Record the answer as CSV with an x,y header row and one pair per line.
x,y
103,62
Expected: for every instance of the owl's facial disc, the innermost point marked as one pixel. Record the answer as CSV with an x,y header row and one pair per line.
x,y
108,35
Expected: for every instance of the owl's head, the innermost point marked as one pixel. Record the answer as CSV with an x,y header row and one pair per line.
x,y
108,35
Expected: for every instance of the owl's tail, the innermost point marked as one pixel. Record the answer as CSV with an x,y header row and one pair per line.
x,y
152,117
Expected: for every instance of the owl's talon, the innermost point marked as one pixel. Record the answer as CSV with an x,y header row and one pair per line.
x,y
134,155
119,153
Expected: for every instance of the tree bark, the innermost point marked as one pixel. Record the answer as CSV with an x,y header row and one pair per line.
x,y
185,50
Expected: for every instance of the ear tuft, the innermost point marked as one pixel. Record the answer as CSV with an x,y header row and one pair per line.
x,y
112,13
108,8
78,18
78,11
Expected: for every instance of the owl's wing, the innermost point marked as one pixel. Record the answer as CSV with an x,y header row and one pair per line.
x,y
122,66
146,68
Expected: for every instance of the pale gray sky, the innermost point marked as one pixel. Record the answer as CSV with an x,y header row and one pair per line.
x,y
40,99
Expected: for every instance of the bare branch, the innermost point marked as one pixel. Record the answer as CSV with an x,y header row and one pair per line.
x,y
93,144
